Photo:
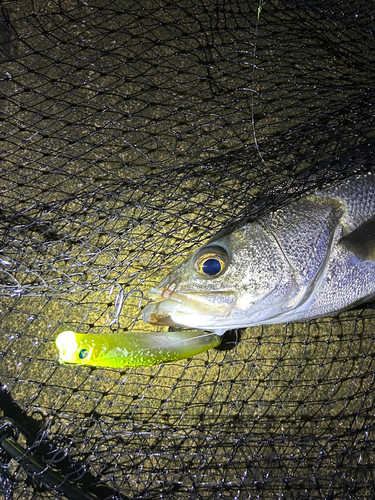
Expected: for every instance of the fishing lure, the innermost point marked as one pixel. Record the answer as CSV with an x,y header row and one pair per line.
x,y
118,350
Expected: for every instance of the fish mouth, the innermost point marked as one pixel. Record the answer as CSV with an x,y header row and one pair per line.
x,y
186,309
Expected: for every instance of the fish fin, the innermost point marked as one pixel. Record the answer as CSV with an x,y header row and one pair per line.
x,y
361,241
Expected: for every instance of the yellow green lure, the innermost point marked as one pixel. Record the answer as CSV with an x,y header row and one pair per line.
x,y
118,350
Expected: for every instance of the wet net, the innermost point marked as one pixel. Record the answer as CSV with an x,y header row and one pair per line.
x,y
130,133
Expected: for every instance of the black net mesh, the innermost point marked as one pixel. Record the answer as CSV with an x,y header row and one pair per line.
x,y
131,132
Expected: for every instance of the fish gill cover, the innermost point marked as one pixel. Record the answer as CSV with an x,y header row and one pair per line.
x,y
130,133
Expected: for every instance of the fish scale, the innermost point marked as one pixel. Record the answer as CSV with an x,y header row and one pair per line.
x,y
357,193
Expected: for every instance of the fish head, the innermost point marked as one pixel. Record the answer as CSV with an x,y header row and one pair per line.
x,y
234,280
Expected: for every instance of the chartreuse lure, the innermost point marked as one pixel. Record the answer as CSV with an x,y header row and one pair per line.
x,y
118,350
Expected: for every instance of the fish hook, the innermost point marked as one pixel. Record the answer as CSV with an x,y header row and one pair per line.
x,y
119,304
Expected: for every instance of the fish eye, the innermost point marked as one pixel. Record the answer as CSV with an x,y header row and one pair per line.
x,y
212,261
211,267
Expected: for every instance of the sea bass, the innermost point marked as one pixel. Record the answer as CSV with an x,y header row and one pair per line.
x,y
312,258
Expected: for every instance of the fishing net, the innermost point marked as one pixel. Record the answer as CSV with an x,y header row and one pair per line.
x,y
130,133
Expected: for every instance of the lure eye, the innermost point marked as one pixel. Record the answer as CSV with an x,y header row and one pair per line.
x,y
83,354
212,262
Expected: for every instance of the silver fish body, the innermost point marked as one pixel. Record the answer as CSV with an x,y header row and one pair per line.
x,y
312,258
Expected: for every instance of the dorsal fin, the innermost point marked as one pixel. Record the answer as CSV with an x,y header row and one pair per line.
x,y
361,241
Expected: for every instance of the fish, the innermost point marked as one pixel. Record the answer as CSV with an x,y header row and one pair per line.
x,y
120,350
311,258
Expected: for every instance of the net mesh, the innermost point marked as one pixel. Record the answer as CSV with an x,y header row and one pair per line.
x,y
131,132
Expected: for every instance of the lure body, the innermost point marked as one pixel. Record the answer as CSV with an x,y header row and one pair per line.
x,y
119,350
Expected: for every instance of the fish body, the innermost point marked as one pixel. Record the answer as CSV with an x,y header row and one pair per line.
x,y
314,257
